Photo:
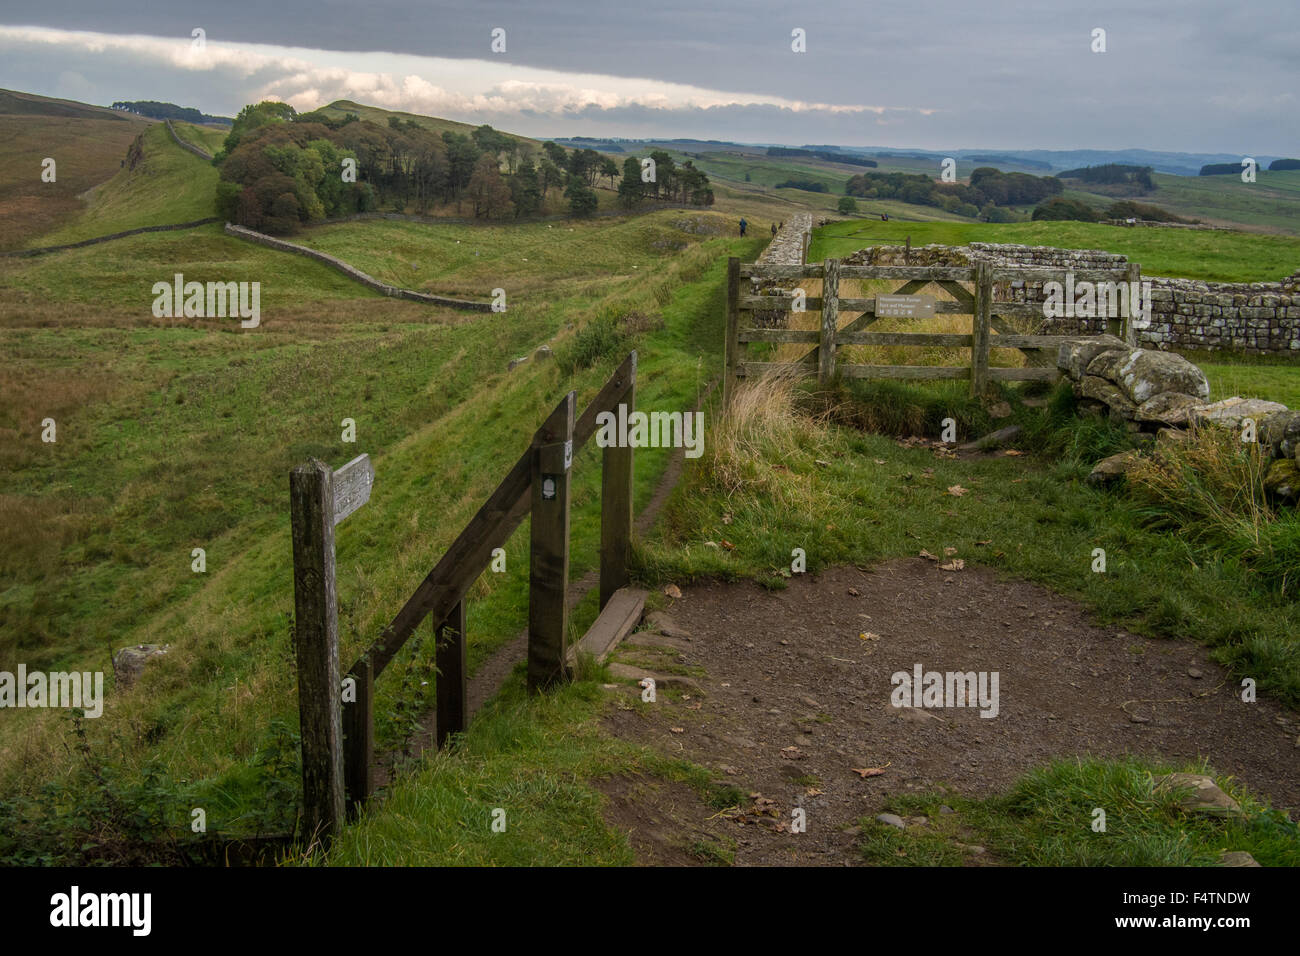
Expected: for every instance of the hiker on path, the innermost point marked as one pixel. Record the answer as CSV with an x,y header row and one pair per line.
x,y
743,224
773,230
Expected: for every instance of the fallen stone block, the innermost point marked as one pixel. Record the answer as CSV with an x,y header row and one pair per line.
x,y
1109,394
1232,412
129,662
1145,373
1198,793
1167,408
1111,470
1074,355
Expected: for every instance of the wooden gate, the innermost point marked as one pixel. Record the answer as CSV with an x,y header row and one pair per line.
x,y
991,321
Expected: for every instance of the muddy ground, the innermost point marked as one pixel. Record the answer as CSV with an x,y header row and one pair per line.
x,y
786,695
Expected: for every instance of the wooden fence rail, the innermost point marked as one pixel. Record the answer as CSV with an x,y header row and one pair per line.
x,y
991,326
338,716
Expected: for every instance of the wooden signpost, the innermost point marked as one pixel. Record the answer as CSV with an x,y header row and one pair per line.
x,y
319,499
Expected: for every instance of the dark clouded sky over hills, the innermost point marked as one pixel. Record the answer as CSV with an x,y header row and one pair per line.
x,y
1187,75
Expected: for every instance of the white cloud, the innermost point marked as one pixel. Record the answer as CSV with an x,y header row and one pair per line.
x,y
456,88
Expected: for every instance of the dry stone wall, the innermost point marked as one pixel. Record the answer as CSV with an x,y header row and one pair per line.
x,y
1185,313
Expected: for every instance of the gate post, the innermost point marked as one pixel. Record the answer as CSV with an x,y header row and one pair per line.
x,y
979,350
733,331
450,659
1134,279
316,641
548,559
616,499
830,318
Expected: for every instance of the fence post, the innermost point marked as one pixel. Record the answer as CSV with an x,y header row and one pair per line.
x,y
450,657
979,351
830,318
733,331
359,735
616,502
1134,279
548,560
316,640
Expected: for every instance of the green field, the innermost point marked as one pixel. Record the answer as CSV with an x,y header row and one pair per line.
x,y
1220,256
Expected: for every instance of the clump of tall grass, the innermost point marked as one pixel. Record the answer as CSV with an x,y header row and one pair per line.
x,y
612,332
1210,490
763,429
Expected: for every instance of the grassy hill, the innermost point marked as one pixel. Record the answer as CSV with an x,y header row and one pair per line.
x,y
167,185
87,144
340,108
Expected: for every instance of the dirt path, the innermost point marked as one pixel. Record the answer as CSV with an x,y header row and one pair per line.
x,y
785,698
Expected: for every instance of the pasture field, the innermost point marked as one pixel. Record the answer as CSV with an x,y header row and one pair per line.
x,y
1219,256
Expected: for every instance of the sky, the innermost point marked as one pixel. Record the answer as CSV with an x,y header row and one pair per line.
x,y
1177,75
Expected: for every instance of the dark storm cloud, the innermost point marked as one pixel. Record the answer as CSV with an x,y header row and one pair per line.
x,y
1176,75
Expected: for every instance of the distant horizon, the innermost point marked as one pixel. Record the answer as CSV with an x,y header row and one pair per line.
x,y
875,149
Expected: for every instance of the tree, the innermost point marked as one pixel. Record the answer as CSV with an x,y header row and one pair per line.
x,y
582,198
608,169
487,190
556,154
526,190
549,174
847,205
630,188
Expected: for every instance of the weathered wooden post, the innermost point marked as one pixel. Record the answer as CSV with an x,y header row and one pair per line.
x,y
616,497
451,684
316,639
729,378
979,349
358,734
548,562
1134,280
830,318
318,500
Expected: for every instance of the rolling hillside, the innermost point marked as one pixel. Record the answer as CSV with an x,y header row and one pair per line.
x,y
87,143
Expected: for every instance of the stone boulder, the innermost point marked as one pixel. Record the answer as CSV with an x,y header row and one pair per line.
x,y
1198,793
1281,432
1075,354
1282,481
1144,373
1167,408
1231,412
1109,394
129,662
1110,470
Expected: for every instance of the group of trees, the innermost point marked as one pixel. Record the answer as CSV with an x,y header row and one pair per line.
x,y
280,168
1113,174
828,155
807,185
987,190
669,182
168,111
1072,209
